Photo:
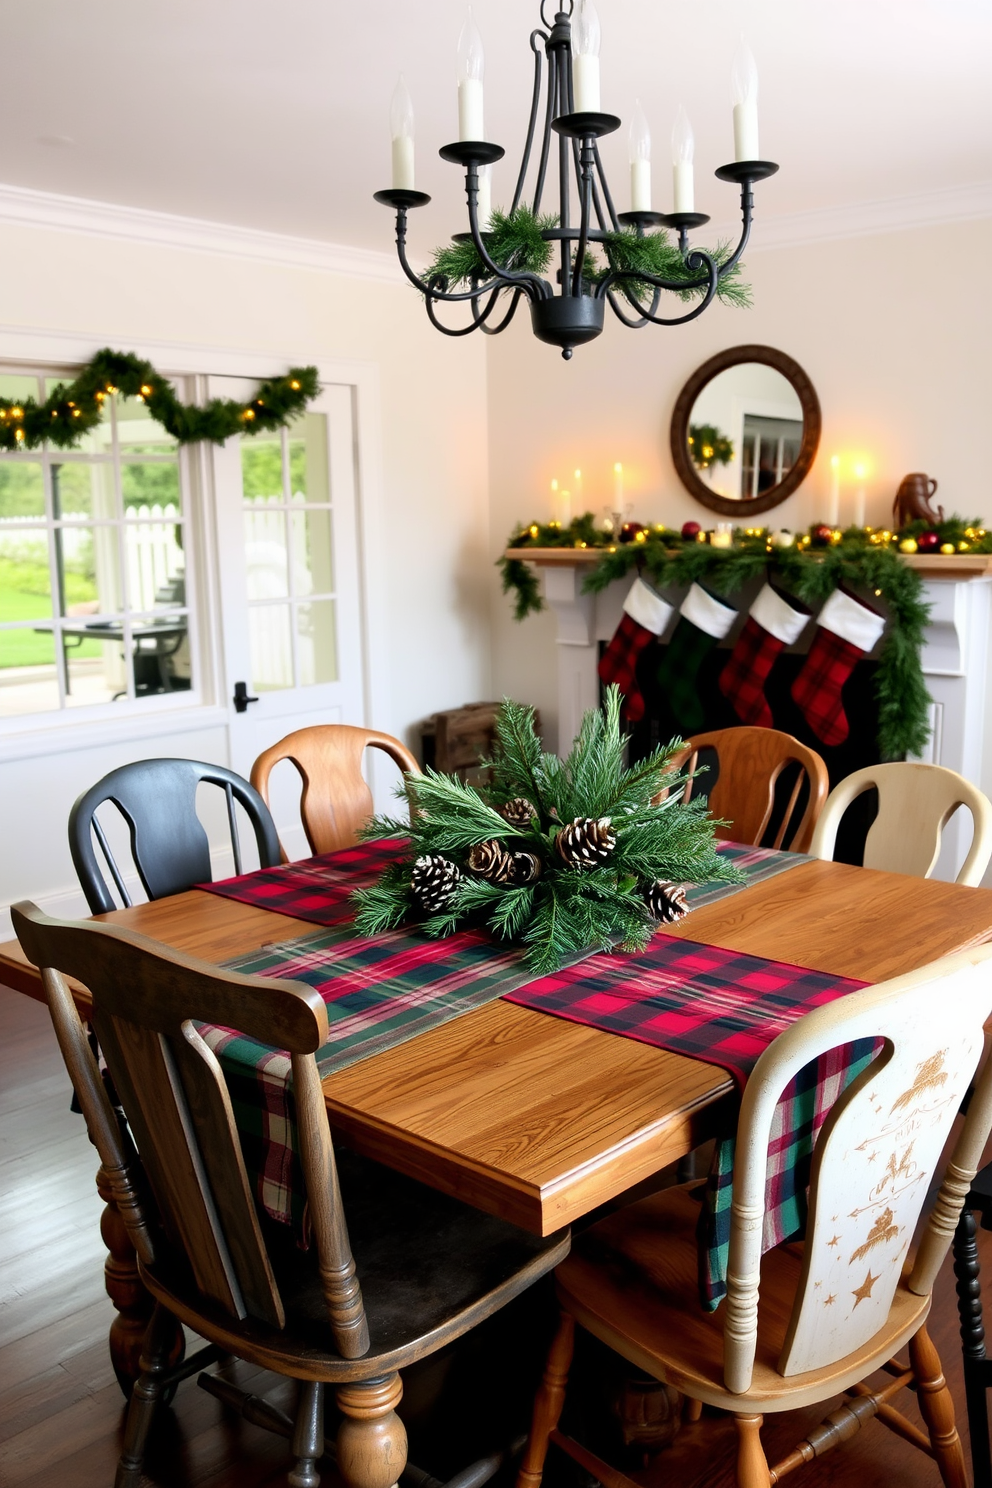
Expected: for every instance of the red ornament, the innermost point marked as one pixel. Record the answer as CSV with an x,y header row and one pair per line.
x,y
822,535
690,531
928,542
629,531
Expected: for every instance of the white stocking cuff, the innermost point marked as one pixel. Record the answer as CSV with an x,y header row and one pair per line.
x,y
852,621
706,613
647,608
776,615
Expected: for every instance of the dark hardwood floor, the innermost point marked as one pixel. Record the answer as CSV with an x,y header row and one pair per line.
x,y
61,1409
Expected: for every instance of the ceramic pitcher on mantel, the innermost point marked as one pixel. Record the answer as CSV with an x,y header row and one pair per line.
x,y
912,503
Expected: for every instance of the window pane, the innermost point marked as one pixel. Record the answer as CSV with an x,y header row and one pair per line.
x,y
138,432
25,577
316,647
160,653
271,648
150,490
308,478
28,680
156,565
89,560
81,490
22,489
94,660
14,386
261,466
312,567
266,558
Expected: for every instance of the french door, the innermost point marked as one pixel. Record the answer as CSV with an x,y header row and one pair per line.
x,y
288,567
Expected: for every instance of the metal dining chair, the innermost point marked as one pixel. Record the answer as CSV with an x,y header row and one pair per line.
x,y
170,848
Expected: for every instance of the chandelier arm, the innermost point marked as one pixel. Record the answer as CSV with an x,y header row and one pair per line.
x,y
747,211
635,325
585,186
606,189
536,36
478,321
488,330
542,170
700,258
427,287
532,285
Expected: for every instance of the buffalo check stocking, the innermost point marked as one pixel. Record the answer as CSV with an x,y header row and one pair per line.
x,y
847,632
772,623
704,620
645,615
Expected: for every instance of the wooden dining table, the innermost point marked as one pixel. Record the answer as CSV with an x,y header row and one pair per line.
x,y
531,1117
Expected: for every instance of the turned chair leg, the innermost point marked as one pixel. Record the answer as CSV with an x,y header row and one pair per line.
x,y
969,1290
308,1436
548,1402
752,1464
937,1409
153,1366
371,1440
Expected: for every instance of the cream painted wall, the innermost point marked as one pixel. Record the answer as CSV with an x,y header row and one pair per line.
x,y
434,575
891,330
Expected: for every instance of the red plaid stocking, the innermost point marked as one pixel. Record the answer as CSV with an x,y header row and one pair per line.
x,y
645,616
847,632
772,624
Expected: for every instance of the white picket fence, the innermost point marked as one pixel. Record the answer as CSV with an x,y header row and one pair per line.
x,y
152,555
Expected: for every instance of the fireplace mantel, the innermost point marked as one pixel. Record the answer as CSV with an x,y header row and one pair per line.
x,y
956,651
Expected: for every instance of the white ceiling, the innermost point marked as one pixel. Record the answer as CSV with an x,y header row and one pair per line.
x,y
274,115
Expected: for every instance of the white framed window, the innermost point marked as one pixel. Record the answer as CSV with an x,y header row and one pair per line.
x,y
95,595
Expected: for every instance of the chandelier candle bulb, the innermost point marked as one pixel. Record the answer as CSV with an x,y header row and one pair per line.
x,y
401,127
640,161
585,58
683,148
744,85
471,66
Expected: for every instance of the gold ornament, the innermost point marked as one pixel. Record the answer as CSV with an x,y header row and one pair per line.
x,y
947,547
908,545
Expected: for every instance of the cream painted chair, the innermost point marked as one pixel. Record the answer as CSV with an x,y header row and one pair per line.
x,y
915,803
816,1319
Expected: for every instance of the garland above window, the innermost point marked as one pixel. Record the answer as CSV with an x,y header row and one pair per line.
x,y
73,409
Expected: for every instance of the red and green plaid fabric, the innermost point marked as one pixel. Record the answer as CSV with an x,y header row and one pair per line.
x,y
743,679
316,889
818,688
618,664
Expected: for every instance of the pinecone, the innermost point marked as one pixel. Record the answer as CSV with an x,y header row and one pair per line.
x,y
434,880
666,901
519,812
586,842
491,861
526,867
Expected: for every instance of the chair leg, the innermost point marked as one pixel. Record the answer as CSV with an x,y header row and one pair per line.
x,y
308,1436
973,1346
937,1408
154,1366
752,1464
371,1440
548,1402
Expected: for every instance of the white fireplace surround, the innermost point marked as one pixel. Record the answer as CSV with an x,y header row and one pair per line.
x,y
955,664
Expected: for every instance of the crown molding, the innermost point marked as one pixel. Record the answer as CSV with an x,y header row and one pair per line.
x,y
968,203
20,206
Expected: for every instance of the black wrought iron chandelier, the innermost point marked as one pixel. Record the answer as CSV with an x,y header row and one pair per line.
x,y
573,313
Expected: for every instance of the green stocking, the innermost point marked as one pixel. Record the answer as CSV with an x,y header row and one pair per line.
x,y
704,620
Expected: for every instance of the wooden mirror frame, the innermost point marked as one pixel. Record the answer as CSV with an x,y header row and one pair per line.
x,y
734,356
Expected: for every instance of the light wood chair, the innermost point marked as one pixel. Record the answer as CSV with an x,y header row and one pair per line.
x,y
815,1319
336,800
915,803
750,763
425,1269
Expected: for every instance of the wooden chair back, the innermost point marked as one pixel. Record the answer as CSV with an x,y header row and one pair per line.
x,y
147,1002
915,803
873,1161
336,800
157,799
750,763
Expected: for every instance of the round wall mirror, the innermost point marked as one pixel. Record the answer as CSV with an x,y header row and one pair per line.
x,y
745,430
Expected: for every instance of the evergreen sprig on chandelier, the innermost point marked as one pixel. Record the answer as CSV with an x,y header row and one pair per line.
x,y
627,259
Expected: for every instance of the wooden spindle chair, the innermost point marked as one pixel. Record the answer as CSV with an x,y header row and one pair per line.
x,y
425,1268
812,1319
336,800
750,762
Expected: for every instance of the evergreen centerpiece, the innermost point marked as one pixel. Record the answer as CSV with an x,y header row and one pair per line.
x,y
565,855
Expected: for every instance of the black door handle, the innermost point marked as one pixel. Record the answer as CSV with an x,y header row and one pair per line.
x,y
241,698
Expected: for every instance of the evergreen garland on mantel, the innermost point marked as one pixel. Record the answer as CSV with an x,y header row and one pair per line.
x,y
810,568
567,856
71,411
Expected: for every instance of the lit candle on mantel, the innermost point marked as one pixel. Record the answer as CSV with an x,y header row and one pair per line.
x,y
744,84
860,499
401,128
471,66
683,148
640,161
833,510
586,36
618,486
577,487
